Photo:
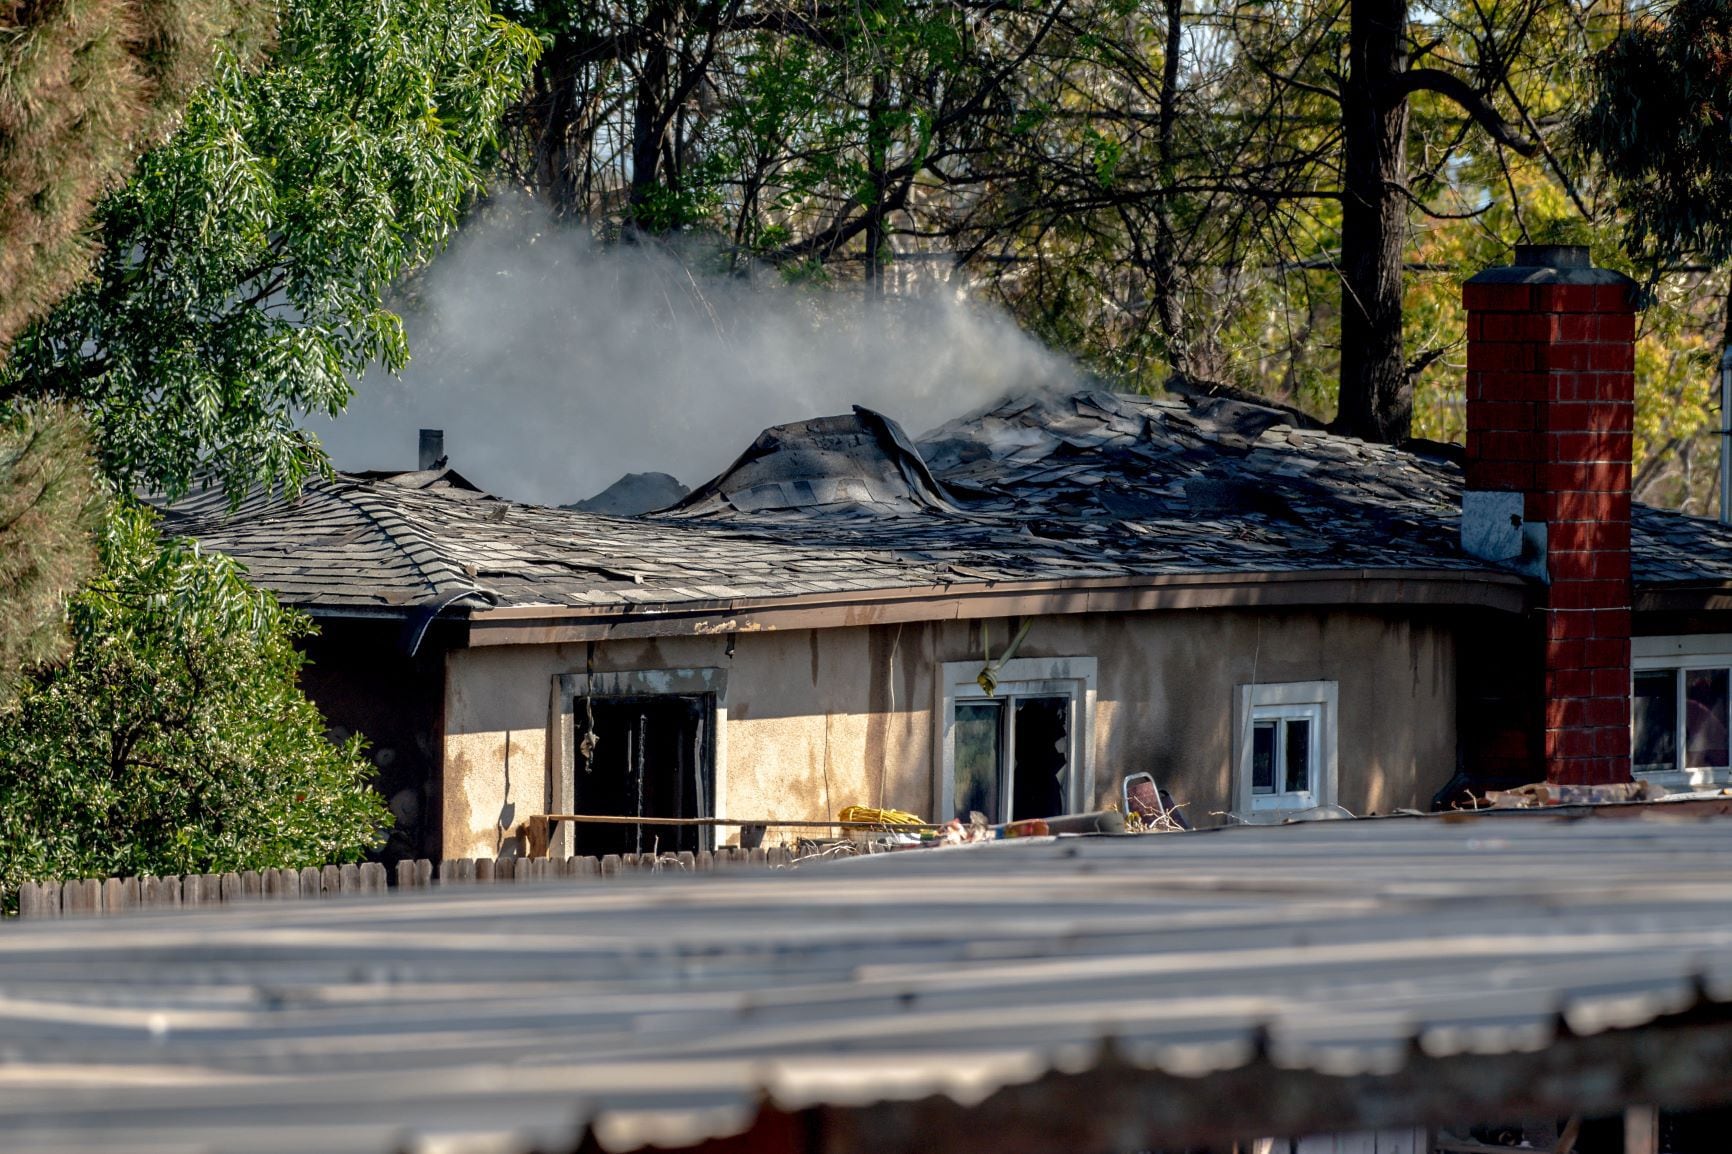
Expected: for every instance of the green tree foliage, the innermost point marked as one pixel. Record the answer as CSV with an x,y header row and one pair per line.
x,y
1657,102
242,283
1214,188
1158,189
1661,122
48,506
84,85
246,263
175,738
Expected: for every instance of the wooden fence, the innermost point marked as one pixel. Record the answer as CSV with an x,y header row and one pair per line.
x,y
82,897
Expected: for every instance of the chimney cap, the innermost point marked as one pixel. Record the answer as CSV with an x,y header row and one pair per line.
x,y
1537,264
1552,256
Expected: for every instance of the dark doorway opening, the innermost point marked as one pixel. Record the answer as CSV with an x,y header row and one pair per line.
x,y
643,757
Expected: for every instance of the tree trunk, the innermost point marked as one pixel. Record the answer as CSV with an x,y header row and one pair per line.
x,y
554,108
877,164
1169,310
649,114
1376,399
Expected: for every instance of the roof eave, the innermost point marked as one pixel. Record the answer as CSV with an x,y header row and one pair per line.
x,y
552,624
1699,597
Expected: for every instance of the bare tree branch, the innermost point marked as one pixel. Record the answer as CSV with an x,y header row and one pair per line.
x,y
1469,100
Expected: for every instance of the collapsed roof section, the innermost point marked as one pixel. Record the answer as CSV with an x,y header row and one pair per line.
x,y
634,495
860,464
1080,492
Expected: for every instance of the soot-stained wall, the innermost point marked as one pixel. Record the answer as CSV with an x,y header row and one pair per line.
x,y
813,721
363,681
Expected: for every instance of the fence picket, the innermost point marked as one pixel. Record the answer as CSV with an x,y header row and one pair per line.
x,y
81,896
96,896
39,900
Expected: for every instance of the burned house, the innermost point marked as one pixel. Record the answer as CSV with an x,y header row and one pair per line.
x,y
1020,608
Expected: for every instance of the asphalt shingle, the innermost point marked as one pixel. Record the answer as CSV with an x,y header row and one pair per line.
x,y
1037,488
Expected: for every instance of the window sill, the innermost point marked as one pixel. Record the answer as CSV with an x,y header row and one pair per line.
x,y
1685,779
1274,811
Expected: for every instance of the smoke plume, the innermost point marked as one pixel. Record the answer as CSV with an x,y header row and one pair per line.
x,y
555,365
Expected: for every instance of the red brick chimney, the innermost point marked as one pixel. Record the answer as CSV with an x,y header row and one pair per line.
x,y
1550,406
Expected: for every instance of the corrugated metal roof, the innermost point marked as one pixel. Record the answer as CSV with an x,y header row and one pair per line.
x,y
663,1011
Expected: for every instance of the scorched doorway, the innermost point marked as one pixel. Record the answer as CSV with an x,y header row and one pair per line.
x,y
643,757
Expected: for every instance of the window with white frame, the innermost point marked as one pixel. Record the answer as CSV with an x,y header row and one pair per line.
x,y
1285,746
1021,751
1679,708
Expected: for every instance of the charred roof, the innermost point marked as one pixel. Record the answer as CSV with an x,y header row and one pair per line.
x,y
857,463
1089,487
633,495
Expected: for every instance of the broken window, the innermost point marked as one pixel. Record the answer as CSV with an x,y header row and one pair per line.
x,y
643,757
1012,756
1020,751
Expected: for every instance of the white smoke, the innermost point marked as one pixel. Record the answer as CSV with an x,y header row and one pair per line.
x,y
555,365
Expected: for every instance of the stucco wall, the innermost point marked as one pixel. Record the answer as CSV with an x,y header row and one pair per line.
x,y
820,720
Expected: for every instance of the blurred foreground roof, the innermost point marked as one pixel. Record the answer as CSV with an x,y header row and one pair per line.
x,y
1089,993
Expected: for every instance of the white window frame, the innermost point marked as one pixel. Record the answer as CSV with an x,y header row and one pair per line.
x,y
1680,653
1318,701
1072,677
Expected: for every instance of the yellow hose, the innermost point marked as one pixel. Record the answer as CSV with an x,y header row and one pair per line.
x,y
885,817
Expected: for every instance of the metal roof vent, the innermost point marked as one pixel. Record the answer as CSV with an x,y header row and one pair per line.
x,y
432,449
